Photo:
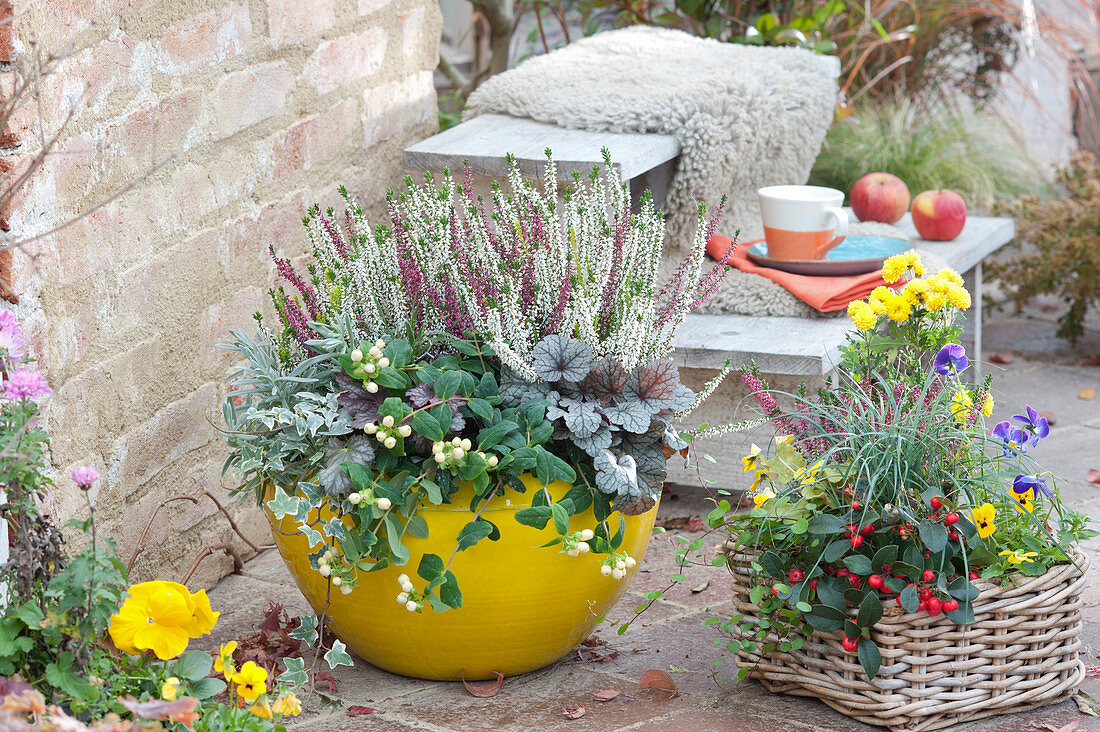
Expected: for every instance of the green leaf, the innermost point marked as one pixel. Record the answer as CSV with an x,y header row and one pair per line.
x,y
481,409
963,614
826,523
884,556
473,532
756,594
962,590
909,599
393,536
430,567
338,655
425,425
446,386
435,495
399,351
869,657
491,436
836,550
306,630
417,526
208,688
449,592
825,618
561,518
536,516
192,665
295,674
934,536
858,564
62,674
870,610
392,379
829,592
772,564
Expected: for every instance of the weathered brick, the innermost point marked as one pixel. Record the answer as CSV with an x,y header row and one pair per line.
x,y
366,7
291,21
7,32
344,60
314,139
388,108
277,224
411,24
207,38
19,126
132,144
217,321
252,95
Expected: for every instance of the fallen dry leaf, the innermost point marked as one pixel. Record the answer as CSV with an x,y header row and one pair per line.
x,y
700,588
655,678
1088,394
1049,417
572,712
1093,359
1086,704
484,689
180,710
605,695
1051,728
687,523
1003,357
356,710
1093,476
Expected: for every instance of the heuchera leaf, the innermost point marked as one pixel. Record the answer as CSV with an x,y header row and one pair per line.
x,y
357,449
557,358
605,381
657,385
597,443
616,476
515,390
632,415
360,404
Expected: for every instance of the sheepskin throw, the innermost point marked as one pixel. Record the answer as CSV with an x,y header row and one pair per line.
x,y
745,116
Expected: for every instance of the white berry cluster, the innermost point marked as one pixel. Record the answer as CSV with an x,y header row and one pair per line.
x,y
576,544
453,454
368,497
332,566
385,431
370,363
616,565
409,597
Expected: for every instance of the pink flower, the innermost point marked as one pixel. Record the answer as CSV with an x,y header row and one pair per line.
x,y
85,475
11,336
25,383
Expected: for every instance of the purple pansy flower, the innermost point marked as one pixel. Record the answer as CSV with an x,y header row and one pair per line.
x,y
951,360
25,383
1025,483
1014,438
85,475
1034,425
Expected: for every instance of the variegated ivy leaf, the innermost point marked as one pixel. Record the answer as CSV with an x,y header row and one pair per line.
x,y
311,493
337,655
616,476
282,504
657,385
356,449
306,630
557,358
313,536
360,404
334,528
295,674
516,390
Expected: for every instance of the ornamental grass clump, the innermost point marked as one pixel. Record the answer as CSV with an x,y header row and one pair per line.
x,y
889,488
463,346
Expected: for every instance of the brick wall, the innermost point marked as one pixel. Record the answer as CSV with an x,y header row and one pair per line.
x,y
260,107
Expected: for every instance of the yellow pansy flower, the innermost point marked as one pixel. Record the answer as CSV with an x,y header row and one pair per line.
x,y
987,405
289,705
154,617
897,309
203,618
169,690
1024,502
261,709
961,405
983,519
251,681
756,482
1015,557
959,297
750,460
223,663
863,317
759,499
784,439
809,475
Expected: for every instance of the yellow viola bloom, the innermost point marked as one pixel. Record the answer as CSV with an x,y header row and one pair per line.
x,y
170,689
959,297
897,309
983,517
759,499
1015,557
784,439
261,709
750,460
223,663
203,617
251,681
863,317
810,474
1024,502
894,267
289,705
756,482
961,405
154,617
987,406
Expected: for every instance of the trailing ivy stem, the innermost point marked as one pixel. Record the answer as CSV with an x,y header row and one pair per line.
x,y
477,515
320,641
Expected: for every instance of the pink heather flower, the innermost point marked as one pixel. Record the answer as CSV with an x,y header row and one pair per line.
x,y
85,475
11,336
25,383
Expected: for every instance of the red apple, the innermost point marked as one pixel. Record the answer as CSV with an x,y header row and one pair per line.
x,y
939,215
879,197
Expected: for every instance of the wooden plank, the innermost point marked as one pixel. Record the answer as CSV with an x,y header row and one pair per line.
x,y
484,141
804,346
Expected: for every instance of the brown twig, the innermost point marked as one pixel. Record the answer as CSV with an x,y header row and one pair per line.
x,y
229,549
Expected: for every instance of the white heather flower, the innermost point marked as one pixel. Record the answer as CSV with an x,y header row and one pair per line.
x,y
458,453
618,574
370,428
354,499
384,503
372,387
402,579
583,547
411,606
404,430
587,534
390,443
402,598
387,421
383,362
356,356
605,570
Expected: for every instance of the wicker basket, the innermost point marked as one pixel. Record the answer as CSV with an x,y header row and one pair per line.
x,y
1020,653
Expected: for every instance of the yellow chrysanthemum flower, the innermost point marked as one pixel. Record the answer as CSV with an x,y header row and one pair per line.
x,y
223,663
154,617
289,705
894,267
877,299
987,406
951,276
1015,557
251,681
983,519
913,291
915,264
961,404
933,301
959,297
170,689
863,317
897,309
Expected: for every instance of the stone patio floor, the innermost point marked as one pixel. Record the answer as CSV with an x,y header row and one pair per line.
x,y
670,636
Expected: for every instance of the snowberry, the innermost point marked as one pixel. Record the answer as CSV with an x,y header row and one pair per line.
x,y
356,356
369,368
573,552
380,343
354,498
587,534
402,598
404,430
411,606
402,579
337,581
583,547
370,428
383,362
384,503
440,458
617,574
387,421
372,387
324,570
605,570
456,441
345,590
621,564
437,448
390,443
492,461
458,453
407,586
631,562
329,554
375,352
466,445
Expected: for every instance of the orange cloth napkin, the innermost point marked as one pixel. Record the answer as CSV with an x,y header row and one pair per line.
x,y
826,294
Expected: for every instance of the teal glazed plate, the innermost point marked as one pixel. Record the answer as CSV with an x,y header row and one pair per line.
x,y
855,255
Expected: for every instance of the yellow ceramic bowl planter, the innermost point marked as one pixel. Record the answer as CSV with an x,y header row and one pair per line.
x,y
523,607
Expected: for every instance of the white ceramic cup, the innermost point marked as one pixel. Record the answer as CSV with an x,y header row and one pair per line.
x,y
802,222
